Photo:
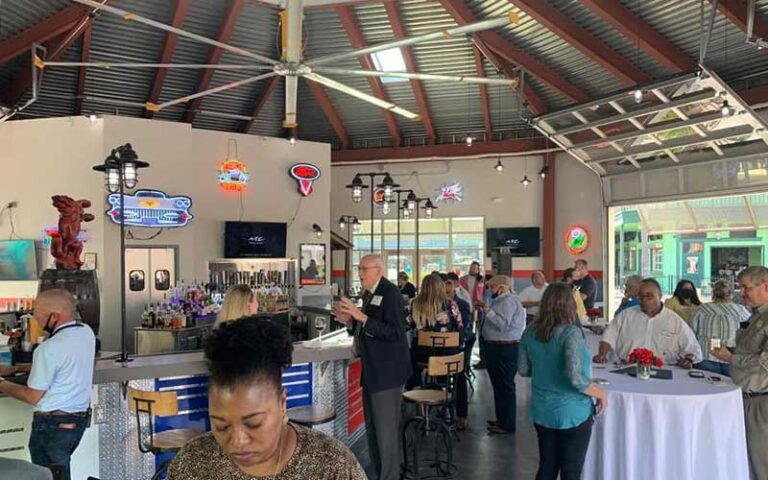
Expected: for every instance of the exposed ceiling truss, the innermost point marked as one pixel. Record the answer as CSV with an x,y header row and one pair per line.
x,y
692,117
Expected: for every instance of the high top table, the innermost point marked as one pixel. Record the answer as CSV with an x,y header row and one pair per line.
x,y
682,429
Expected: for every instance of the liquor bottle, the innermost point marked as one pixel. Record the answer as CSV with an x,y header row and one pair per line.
x,y
151,317
145,317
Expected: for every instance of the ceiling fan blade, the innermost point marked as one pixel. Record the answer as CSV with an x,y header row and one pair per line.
x,y
362,96
158,65
419,76
292,26
168,28
210,91
404,42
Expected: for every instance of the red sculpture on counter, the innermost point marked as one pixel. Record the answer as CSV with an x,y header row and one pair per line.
x,y
65,246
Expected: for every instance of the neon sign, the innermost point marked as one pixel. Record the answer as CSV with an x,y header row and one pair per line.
x,y
450,192
378,197
151,208
305,174
233,175
47,232
576,240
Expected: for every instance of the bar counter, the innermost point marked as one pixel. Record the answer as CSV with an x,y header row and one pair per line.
x,y
324,372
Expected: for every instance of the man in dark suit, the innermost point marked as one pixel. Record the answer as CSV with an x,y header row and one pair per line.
x,y
380,342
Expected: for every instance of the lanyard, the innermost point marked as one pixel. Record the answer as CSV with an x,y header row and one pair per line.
x,y
74,325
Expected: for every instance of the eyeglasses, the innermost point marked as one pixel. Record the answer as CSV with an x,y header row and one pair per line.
x,y
363,269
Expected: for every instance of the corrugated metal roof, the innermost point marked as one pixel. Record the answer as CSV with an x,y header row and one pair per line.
x,y
455,108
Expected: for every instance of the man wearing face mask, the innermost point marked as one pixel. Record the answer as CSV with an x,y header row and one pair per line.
x,y
59,385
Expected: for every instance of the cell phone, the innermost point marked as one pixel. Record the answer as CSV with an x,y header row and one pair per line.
x,y
714,378
600,381
696,374
714,343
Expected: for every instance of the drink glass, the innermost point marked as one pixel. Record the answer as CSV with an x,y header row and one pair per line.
x,y
320,323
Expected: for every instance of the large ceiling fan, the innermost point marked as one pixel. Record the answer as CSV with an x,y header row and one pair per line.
x,y
292,65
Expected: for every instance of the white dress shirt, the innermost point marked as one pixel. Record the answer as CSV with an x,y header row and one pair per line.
x,y
532,294
665,333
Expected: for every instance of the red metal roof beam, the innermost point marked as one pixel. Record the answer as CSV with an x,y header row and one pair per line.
x,y
42,32
439,152
736,12
171,39
642,34
583,41
393,13
349,22
266,93
484,99
510,52
330,112
85,52
225,31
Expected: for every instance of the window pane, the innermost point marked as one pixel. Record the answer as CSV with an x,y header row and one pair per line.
x,y
406,242
406,226
433,225
365,226
468,240
462,258
363,242
433,241
468,224
162,280
136,280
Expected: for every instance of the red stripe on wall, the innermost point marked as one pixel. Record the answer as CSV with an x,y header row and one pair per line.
x,y
354,396
338,273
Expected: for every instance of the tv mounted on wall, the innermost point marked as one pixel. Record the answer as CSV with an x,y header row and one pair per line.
x,y
521,241
254,239
18,260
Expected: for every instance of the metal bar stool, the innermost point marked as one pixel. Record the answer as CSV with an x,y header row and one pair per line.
x,y
158,404
311,415
427,422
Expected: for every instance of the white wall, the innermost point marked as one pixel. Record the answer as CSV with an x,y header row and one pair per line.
x,y
183,161
499,198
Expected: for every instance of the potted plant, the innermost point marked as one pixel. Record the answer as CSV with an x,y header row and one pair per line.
x,y
644,359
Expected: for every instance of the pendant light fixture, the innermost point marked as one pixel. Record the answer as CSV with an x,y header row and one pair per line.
x,y
411,199
499,167
525,181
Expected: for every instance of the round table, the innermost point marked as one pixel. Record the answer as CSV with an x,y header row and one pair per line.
x,y
682,429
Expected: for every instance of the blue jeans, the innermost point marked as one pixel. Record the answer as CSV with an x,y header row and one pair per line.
x,y
54,439
714,367
501,362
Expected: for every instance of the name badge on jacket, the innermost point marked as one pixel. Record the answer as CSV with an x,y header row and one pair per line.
x,y
376,300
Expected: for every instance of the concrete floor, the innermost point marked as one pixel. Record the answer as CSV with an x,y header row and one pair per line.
x,y
480,456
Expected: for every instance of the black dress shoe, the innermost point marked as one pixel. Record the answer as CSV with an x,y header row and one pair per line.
x,y
497,430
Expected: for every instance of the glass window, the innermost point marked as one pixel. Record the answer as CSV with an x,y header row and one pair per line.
x,y
468,240
434,225
657,260
469,224
433,241
136,280
389,61
162,280
407,242
406,226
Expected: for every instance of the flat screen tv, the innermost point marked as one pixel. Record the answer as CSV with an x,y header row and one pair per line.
x,y
521,241
254,239
18,260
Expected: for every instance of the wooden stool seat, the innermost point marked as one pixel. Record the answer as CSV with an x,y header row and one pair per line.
x,y
173,439
311,414
425,397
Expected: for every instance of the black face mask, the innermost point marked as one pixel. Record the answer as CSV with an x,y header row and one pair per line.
x,y
686,294
47,327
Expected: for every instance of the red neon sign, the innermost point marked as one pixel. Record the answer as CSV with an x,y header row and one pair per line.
x,y
305,174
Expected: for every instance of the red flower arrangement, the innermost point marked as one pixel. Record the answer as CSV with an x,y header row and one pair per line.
x,y
645,356
594,313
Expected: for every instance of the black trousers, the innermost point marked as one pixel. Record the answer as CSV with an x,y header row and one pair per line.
x,y
562,451
501,362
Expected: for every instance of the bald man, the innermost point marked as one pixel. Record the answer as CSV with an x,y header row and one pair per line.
x,y
379,331
59,385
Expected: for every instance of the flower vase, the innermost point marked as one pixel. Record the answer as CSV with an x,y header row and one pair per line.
x,y
643,371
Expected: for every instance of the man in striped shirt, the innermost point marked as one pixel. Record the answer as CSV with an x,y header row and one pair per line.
x,y
718,321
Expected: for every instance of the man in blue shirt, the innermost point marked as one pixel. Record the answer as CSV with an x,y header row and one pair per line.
x,y
502,329
59,385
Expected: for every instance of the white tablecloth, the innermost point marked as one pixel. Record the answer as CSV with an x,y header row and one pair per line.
x,y
681,429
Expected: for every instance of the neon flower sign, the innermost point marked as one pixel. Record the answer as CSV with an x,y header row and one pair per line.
x,y
576,240
305,174
233,175
151,208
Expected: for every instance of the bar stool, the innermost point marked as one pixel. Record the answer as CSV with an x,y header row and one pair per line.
x,y
311,415
427,422
437,342
158,404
